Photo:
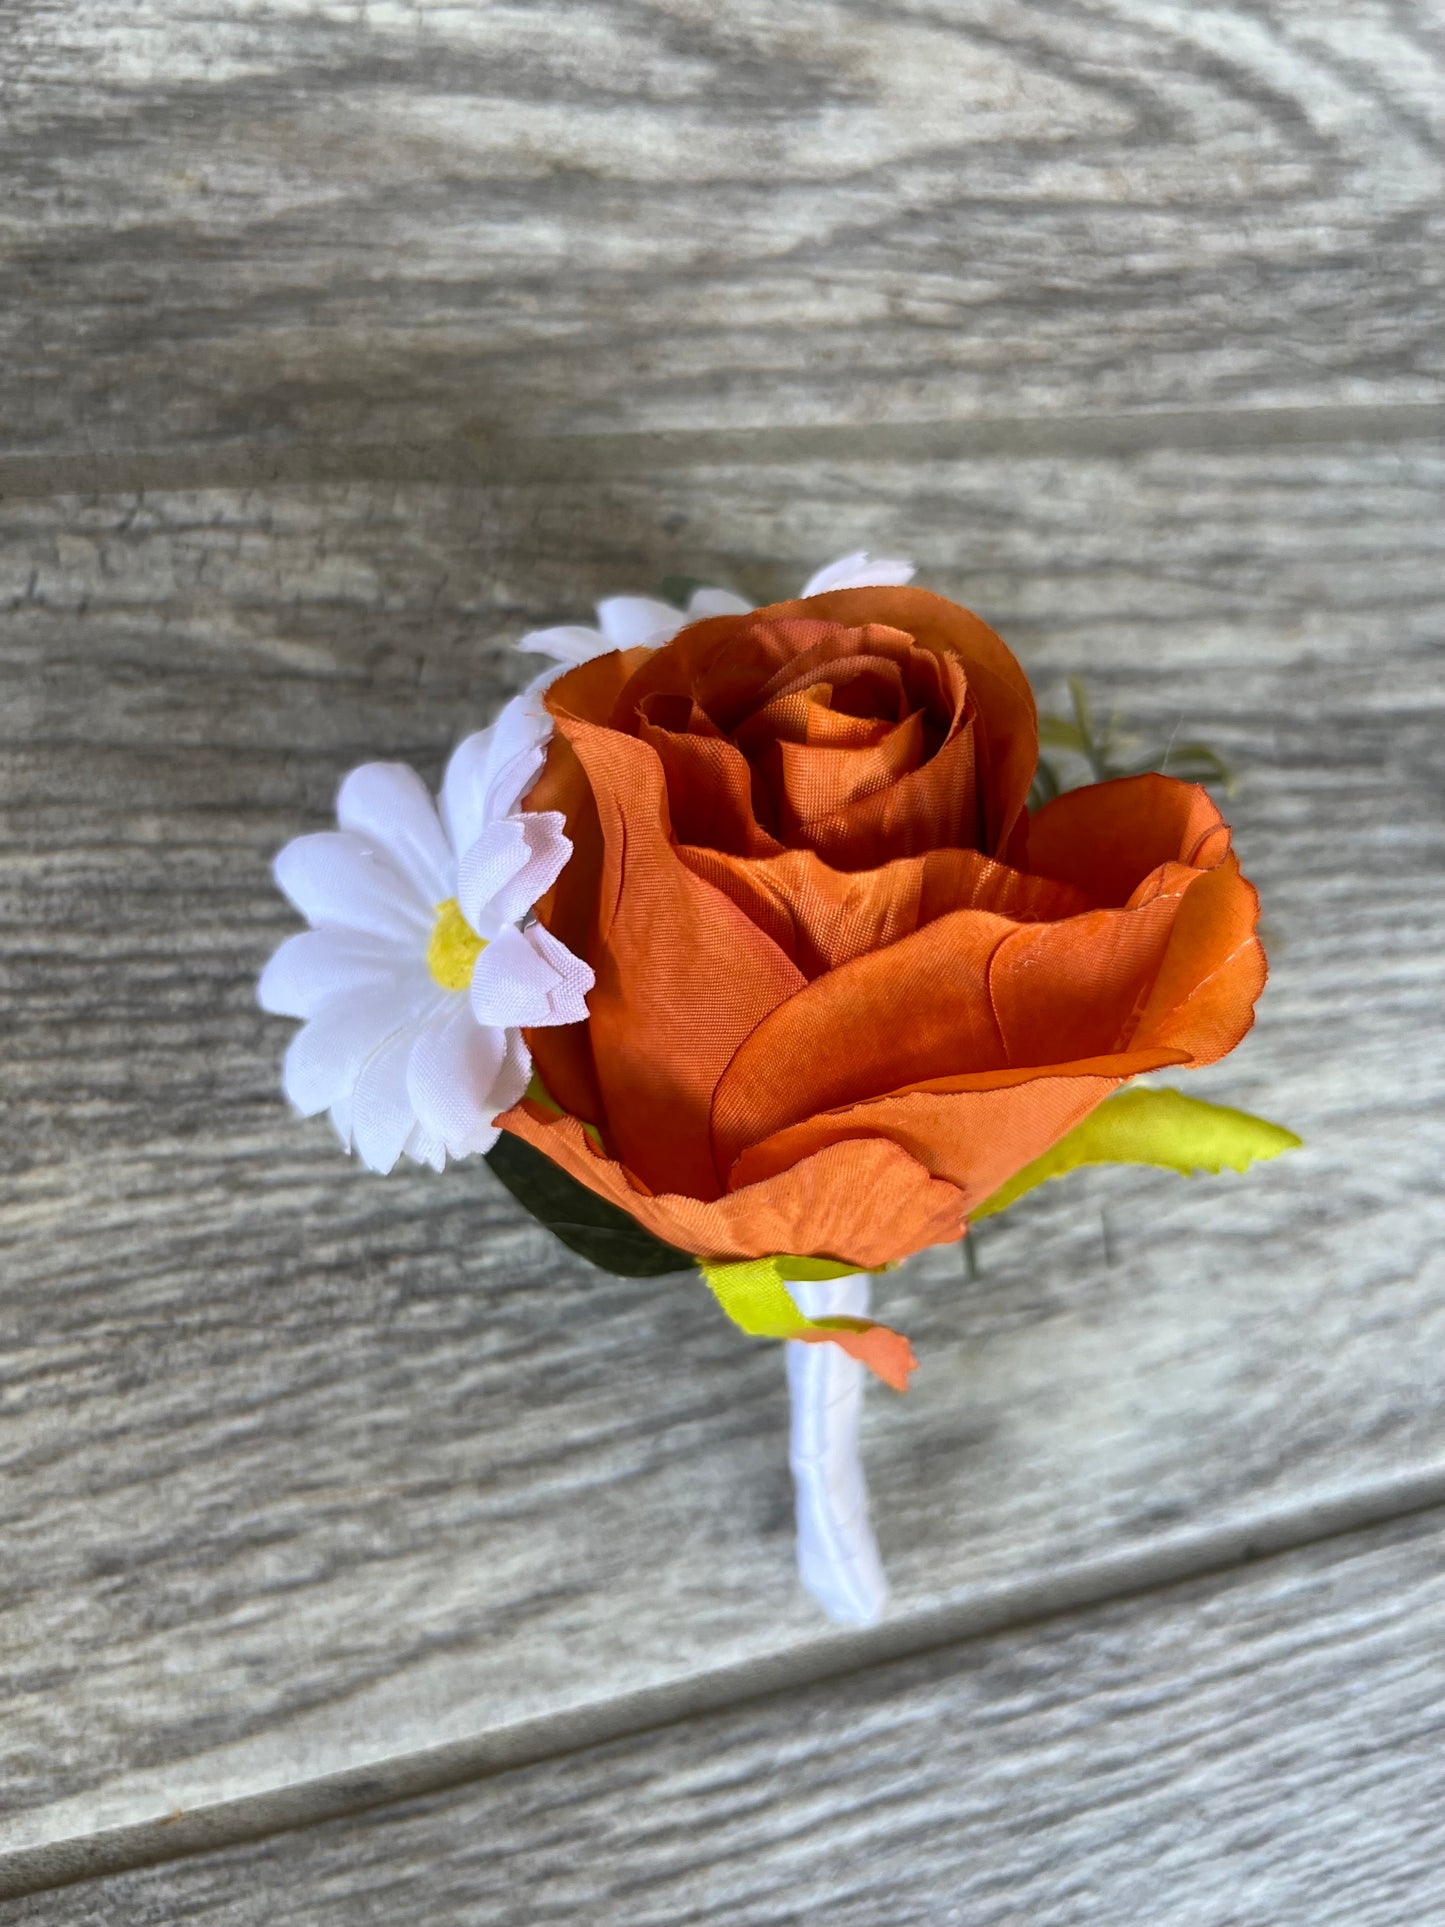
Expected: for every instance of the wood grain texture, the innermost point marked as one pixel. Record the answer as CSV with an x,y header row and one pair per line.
x,y
307,1470
281,218
1264,1747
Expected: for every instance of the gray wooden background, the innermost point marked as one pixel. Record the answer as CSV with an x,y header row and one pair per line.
x,y
367,1558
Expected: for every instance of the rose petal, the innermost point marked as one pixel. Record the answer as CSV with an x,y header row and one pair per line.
x,y
822,917
1107,837
865,1203
976,1139
682,975
877,1024
1075,989
811,784
1203,998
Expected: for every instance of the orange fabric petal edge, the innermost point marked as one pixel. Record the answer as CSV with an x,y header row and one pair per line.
x,y
885,1352
865,1202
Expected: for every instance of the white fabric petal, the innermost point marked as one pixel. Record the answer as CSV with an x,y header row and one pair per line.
x,y
389,806
526,977
308,970
382,1115
634,621
715,602
451,1077
424,1149
498,855
571,643
491,772
567,1000
544,678
334,877
511,865
326,1056
515,1074
860,571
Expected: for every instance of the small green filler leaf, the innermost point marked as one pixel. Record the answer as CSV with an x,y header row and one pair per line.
x,y
1164,1128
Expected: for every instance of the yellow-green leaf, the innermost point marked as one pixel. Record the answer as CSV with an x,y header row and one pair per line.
x,y
1165,1128
755,1296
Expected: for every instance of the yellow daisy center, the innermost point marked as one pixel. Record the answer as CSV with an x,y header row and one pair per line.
x,y
454,947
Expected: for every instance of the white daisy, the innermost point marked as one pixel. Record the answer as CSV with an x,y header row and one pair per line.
x,y
630,621
415,975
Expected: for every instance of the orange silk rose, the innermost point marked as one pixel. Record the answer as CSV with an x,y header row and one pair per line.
x,y
846,985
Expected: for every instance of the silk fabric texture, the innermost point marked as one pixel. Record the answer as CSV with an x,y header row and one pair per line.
x,y
846,984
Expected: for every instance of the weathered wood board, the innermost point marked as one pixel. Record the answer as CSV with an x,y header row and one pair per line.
x,y
307,1470
1263,1746
254,220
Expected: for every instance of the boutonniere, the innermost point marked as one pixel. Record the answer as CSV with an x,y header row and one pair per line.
x,y
736,946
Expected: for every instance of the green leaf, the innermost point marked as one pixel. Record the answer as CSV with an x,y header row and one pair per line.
x,y
755,1295
1164,1128
800,1270
589,1225
1057,732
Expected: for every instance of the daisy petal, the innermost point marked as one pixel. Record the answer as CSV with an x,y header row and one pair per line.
x,y
326,1056
567,999
496,885
498,855
570,644
389,806
308,970
425,1150
451,1077
529,978
715,602
491,771
336,878
382,1118
515,1074
860,571
634,621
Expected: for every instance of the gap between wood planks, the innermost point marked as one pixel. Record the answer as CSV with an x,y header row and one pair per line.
x,y
1169,1561
478,457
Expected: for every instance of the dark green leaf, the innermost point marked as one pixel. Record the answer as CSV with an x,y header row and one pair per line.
x,y
1045,785
585,1223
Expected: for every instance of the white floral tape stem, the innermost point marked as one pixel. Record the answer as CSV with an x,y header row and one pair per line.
x,y
837,1555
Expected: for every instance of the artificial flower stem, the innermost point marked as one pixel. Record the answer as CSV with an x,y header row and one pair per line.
x,y
838,1559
